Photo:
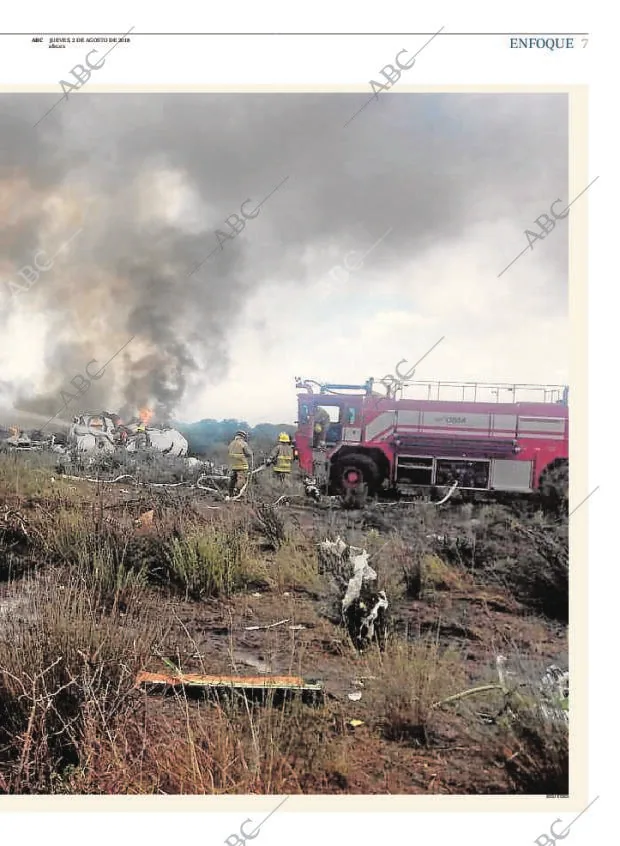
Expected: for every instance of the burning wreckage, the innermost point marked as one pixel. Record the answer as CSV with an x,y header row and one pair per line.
x,y
106,432
102,434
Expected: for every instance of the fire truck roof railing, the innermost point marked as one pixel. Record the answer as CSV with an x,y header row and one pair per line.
x,y
454,391
483,391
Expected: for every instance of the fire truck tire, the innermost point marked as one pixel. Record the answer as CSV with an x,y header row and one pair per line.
x,y
346,468
554,485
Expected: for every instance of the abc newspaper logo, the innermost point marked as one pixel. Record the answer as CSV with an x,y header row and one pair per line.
x,y
553,836
546,224
243,835
234,839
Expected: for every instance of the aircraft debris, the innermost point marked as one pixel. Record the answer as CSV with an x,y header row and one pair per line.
x,y
270,626
363,608
162,682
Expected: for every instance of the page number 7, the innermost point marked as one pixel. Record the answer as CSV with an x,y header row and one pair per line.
x,y
584,42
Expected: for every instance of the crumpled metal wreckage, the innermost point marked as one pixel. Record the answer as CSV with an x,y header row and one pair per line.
x,y
102,433
363,607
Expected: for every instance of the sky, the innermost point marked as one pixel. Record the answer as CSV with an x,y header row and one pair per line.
x,y
426,196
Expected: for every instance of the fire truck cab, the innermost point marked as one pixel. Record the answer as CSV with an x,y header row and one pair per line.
x,y
480,435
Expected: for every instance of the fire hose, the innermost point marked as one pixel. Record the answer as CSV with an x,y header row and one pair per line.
x,y
448,495
435,504
242,491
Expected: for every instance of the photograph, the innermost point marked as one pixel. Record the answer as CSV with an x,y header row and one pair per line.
x,y
284,440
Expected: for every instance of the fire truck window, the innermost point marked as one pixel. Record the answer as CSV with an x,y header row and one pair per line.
x,y
351,416
304,415
334,412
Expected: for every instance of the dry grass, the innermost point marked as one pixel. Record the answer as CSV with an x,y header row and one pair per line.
x,y
66,671
217,749
74,635
409,677
295,567
211,561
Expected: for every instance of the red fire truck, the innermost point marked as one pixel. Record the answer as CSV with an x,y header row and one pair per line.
x,y
487,437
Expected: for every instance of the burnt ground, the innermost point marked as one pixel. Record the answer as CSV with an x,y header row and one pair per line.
x,y
455,605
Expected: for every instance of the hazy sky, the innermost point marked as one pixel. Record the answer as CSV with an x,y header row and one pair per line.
x,y
140,184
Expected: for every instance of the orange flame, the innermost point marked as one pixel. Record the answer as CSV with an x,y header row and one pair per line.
x,y
145,415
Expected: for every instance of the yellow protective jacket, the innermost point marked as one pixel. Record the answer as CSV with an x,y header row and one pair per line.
x,y
239,454
282,454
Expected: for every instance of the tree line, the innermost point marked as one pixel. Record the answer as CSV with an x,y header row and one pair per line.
x,y
210,438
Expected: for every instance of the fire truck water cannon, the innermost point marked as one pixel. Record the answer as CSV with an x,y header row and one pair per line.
x,y
482,436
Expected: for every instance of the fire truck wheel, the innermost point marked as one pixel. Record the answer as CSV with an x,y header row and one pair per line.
x,y
554,486
351,470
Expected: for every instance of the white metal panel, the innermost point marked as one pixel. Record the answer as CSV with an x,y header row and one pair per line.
x,y
408,418
465,420
541,424
505,422
510,475
474,433
383,423
352,434
544,435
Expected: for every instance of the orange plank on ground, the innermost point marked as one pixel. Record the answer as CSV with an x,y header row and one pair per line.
x,y
197,680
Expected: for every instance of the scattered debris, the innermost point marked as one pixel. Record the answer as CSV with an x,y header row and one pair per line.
x,y
247,684
311,489
355,696
555,689
552,690
361,572
270,626
363,609
355,723
556,678
104,432
375,617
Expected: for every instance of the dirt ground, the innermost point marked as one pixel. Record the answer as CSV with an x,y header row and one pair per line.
x,y
394,738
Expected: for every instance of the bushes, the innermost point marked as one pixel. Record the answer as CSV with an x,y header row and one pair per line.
x,y
73,638
268,522
202,560
528,556
211,561
538,763
67,669
527,733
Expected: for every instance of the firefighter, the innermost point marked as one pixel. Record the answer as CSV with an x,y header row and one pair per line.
x,y
282,455
239,455
142,438
321,422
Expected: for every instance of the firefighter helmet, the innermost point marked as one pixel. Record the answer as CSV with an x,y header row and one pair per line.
x,y
284,438
241,434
